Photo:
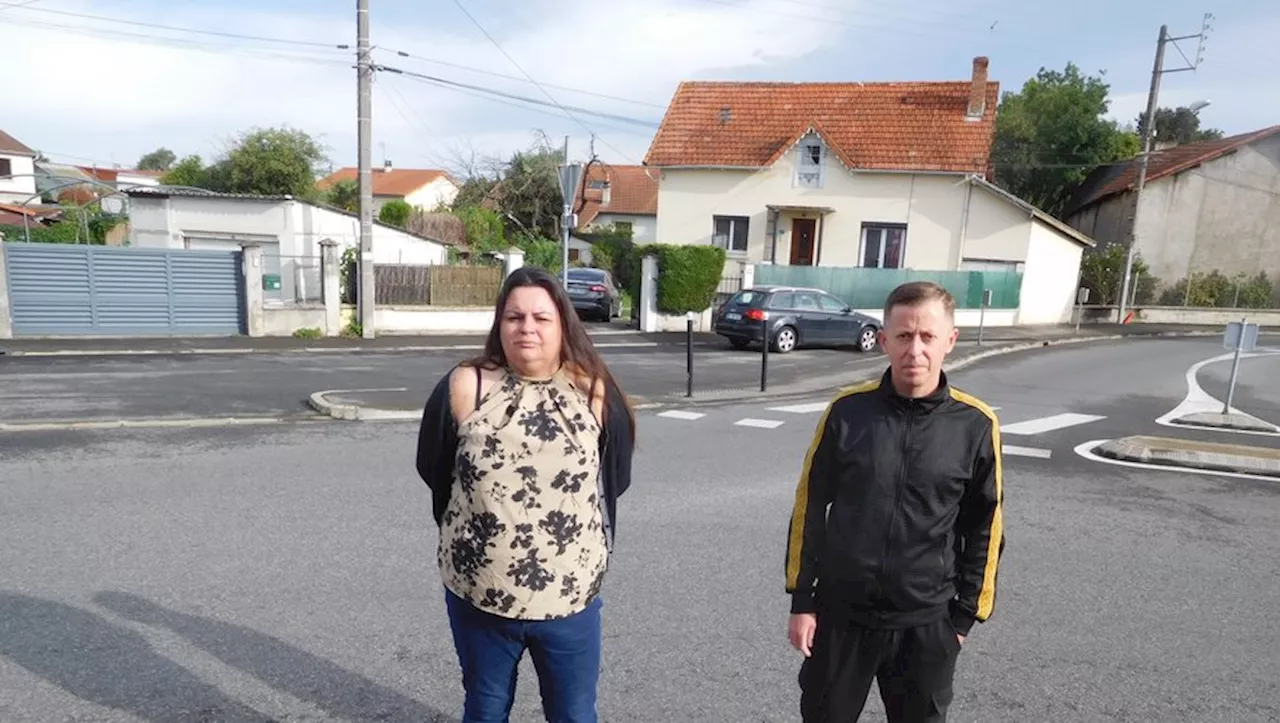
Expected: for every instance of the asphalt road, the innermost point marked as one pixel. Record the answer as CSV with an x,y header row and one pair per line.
x,y
287,572
278,384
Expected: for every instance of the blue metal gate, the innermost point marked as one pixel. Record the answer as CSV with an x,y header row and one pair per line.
x,y
64,290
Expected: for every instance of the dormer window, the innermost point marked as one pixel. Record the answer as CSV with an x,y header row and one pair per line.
x,y
810,163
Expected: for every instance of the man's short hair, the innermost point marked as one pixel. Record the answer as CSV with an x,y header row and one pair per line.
x,y
919,292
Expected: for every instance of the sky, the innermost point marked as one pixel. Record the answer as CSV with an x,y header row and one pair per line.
x,y
107,89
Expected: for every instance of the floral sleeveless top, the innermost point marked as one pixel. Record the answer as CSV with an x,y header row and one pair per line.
x,y
523,535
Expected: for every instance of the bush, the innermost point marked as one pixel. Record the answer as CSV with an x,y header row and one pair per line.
x,y
688,276
307,332
1216,290
396,212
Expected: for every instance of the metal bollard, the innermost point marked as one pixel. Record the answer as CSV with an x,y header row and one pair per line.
x,y
688,355
764,352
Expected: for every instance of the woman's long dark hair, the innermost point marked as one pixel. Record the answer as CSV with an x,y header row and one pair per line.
x,y
576,350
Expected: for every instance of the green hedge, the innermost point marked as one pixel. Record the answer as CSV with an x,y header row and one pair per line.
x,y
688,276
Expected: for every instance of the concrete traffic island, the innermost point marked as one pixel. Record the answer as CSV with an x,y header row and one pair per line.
x,y
1213,456
1234,421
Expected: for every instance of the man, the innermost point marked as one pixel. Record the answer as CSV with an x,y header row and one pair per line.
x,y
897,528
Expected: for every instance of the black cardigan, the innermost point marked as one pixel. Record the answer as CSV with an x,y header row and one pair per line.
x,y
438,444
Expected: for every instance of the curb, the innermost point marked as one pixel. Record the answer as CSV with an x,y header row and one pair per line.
x,y
355,412
153,423
1164,452
1226,422
308,350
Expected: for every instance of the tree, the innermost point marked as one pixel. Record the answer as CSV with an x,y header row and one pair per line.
x,y
1053,133
190,171
344,194
161,159
396,212
271,161
1177,126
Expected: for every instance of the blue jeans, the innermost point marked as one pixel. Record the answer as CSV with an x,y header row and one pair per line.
x,y
566,655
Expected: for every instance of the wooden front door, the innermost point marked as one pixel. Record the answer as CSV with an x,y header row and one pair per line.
x,y
802,231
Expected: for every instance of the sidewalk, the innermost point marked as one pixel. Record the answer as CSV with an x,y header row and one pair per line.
x,y
611,336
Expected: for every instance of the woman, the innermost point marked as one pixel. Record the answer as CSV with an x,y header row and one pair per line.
x,y
526,451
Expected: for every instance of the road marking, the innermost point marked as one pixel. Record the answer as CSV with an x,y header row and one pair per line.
x,y
1049,424
677,414
801,408
1026,451
760,423
1198,400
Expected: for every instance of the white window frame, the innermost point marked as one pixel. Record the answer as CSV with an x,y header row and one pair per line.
x,y
725,241
882,228
810,173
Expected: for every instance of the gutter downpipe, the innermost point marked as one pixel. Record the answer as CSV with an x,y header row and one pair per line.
x,y
964,220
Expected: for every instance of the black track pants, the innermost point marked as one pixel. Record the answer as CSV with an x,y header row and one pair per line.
x,y
913,666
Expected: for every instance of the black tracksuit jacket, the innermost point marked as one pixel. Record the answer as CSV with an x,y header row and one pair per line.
x,y
898,516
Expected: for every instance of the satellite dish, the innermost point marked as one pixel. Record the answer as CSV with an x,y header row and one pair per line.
x,y
113,205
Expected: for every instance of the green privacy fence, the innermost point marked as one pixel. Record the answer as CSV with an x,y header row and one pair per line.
x,y
866,288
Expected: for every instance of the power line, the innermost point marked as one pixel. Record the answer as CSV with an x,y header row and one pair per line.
x,y
260,38
545,92
522,98
178,43
507,76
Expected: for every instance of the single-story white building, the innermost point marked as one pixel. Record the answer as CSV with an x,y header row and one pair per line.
x,y
289,231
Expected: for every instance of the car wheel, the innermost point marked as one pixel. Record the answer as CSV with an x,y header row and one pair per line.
x,y
785,340
867,339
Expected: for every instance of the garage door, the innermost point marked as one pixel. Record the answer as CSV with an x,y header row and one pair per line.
x,y
63,290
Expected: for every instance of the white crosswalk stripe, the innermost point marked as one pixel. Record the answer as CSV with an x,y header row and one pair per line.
x,y
760,423
678,414
1051,423
1014,450
801,408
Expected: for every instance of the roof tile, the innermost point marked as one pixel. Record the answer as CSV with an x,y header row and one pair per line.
x,y
883,126
633,190
395,182
1121,177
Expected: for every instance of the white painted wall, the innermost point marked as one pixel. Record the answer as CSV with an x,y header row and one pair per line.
x,y
1049,279
644,229
932,207
18,190
439,191
431,320
297,227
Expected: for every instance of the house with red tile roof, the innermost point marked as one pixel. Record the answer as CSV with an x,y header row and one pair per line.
x,y
17,169
1209,205
625,197
888,175
424,188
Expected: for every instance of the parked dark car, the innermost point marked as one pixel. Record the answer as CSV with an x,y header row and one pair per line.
x,y
594,294
797,316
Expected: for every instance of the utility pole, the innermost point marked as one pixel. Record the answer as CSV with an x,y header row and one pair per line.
x,y
1148,136
364,111
568,214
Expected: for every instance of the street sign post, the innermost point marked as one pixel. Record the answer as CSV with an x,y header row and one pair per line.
x,y
1082,295
1240,336
982,313
570,179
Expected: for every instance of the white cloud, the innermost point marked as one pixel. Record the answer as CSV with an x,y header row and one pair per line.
x,y
104,94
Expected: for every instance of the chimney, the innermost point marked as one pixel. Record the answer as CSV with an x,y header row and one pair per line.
x,y
978,89
386,165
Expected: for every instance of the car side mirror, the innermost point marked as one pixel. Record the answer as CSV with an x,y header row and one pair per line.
x,y
847,310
